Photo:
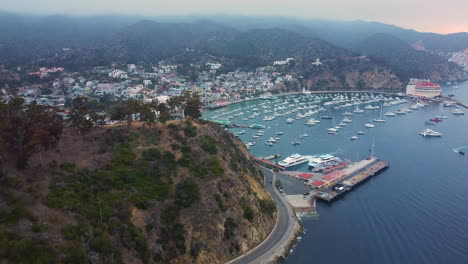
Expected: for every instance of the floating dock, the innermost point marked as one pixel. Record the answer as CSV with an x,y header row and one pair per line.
x,y
351,177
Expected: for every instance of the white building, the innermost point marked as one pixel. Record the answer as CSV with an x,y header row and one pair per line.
x,y
283,62
423,88
118,74
147,83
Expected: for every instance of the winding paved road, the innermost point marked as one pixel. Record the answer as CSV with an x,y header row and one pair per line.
x,y
275,244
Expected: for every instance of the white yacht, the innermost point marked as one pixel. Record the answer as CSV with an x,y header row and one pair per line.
x,y
347,120
354,138
389,114
358,111
289,120
279,133
293,160
311,122
457,111
272,140
430,133
348,114
369,125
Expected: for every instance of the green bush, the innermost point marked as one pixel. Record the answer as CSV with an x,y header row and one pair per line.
x,y
215,168
187,193
248,213
190,131
151,154
229,227
123,155
267,206
222,207
208,144
68,167
15,249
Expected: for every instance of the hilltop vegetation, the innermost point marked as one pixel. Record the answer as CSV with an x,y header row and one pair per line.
x,y
180,192
407,62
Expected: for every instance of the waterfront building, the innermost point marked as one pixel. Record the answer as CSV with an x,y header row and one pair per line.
x,y
423,88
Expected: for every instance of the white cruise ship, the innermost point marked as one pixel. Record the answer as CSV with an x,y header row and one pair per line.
x,y
293,160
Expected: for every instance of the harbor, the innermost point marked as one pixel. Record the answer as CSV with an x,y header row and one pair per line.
x,y
360,213
332,181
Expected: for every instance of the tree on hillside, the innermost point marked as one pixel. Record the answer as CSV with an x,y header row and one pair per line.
x,y
164,114
192,106
81,117
174,103
27,128
125,110
148,112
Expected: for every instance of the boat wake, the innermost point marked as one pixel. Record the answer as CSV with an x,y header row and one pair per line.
x,y
459,148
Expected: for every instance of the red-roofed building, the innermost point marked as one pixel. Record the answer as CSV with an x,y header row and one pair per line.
x,y
305,175
333,175
423,88
318,183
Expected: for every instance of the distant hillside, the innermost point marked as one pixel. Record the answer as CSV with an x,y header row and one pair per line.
x,y
275,43
447,43
151,41
25,38
407,62
185,192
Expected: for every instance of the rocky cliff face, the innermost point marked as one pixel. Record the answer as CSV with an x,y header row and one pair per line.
x,y
345,74
186,192
460,58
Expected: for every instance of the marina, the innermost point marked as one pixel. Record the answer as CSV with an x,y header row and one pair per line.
x,y
358,215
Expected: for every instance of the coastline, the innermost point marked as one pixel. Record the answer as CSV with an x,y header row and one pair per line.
x,y
283,235
311,92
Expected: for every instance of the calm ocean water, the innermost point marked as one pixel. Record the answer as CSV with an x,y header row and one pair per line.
x,y
416,211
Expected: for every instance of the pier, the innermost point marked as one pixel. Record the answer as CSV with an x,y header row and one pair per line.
x,y
455,101
347,181
330,184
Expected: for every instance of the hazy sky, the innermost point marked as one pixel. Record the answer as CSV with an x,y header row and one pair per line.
x,y
446,16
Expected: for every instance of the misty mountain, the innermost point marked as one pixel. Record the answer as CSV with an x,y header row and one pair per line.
x,y
405,61
447,43
25,38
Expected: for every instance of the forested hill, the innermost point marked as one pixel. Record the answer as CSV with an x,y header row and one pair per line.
x,y
136,192
406,61
150,41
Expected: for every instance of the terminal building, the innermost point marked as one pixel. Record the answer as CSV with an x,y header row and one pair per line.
x,y
423,88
